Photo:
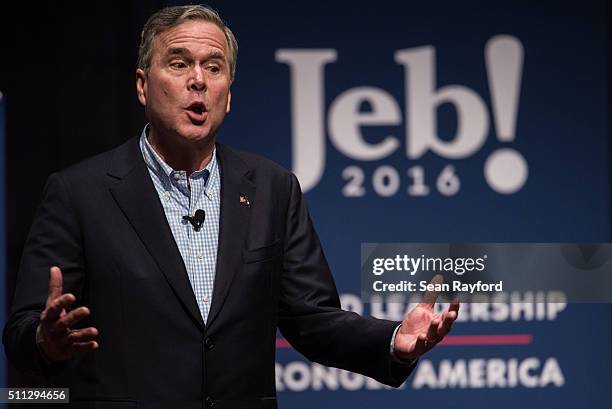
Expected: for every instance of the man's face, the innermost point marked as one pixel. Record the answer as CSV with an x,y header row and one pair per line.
x,y
186,91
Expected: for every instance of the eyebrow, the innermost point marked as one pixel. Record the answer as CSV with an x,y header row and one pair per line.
x,y
177,51
215,55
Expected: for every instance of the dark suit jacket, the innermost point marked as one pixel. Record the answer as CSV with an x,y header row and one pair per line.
x,y
102,222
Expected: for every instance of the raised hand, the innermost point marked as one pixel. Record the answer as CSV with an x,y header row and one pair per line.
x,y
54,336
422,329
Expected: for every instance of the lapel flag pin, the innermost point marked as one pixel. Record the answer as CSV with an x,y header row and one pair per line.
x,y
244,200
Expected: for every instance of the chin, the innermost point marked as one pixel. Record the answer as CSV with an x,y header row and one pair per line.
x,y
195,135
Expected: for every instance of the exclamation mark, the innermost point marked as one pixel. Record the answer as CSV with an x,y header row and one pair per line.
x,y
505,169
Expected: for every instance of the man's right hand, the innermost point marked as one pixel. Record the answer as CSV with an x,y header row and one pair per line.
x,y
55,340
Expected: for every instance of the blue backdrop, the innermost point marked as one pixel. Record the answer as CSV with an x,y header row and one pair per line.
x,y
435,122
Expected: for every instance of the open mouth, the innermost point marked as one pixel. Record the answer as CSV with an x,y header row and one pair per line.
x,y
196,112
197,107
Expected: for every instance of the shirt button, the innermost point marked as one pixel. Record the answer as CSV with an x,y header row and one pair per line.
x,y
205,299
167,194
177,176
200,255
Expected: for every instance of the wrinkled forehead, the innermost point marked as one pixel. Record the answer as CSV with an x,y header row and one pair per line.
x,y
192,36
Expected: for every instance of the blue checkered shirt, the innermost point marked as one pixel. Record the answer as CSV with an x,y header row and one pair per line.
x,y
198,248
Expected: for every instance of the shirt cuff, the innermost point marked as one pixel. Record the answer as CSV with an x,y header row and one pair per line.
x,y
395,358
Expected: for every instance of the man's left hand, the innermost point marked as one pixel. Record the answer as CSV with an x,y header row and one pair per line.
x,y
422,329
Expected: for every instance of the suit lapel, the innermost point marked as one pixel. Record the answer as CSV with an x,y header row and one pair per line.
x,y
135,194
233,224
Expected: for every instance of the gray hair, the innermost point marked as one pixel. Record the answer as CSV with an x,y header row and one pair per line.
x,y
170,17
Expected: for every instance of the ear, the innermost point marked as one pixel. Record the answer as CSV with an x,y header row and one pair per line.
x,y
229,101
141,86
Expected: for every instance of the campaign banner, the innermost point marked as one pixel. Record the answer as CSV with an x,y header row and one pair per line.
x,y
440,122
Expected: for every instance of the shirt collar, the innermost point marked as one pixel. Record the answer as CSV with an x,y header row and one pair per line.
x,y
165,172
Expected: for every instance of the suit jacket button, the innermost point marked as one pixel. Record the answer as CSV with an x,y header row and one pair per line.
x,y
210,402
209,343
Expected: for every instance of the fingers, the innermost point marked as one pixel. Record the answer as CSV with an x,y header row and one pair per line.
x,y
82,336
439,328
55,307
54,337
54,316
56,302
68,320
451,315
55,283
443,317
430,297
84,346
446,324
454,307
432,331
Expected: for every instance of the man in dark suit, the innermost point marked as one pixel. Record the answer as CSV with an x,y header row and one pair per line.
x,y
176,258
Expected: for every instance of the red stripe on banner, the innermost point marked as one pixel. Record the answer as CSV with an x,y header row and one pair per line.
x,y
463,340
515,339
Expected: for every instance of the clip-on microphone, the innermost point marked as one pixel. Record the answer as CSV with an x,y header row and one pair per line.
x,y
197,220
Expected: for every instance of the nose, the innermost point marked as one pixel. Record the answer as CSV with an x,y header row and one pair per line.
x,y
197,80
